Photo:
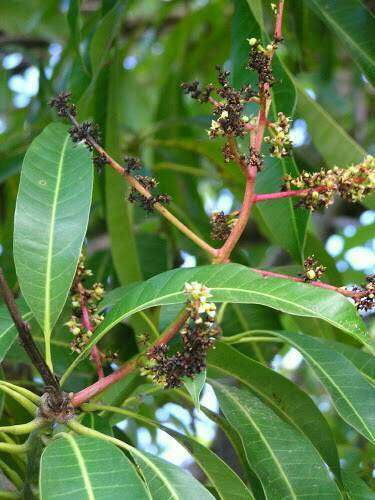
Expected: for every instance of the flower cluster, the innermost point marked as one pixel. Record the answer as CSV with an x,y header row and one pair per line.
x,y
86,132
91,297
63,105
313,270
364,297
357,181
132,164
352,184
260,60
198,334
193,89
147,203
280,142
222,225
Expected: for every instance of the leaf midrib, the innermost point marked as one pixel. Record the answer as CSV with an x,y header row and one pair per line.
x,y
349,40
81,464
263,438
47,295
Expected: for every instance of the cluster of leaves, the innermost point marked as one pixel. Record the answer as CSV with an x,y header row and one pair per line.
x,y
279,424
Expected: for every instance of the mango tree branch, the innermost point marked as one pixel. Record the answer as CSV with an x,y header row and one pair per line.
x,y
146,193
256,140
25,337
319,284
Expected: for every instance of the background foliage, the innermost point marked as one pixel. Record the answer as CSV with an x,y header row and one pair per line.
x,y
124,63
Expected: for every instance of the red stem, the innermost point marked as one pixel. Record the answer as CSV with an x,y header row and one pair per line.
x,y
279,20
320,284
239,227
95,353
99,386
286,194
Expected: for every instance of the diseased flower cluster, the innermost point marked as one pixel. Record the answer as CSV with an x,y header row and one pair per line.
x,y
85,132
147,203
194,90
222,224
352,184
198,334
313,270
260,60
365,296
280,142
91,298
63,105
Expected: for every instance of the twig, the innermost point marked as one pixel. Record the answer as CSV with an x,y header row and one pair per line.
x,y
25,337
144,192
221,255
286,194
99,386
320,284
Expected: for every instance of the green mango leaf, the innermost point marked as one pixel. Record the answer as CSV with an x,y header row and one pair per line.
x,y
238,284
354,25
119,213
349,389
363,361
284,397
8,332
330,139
51,218
226,482
166,481
194,387
87,468
355,488
285,461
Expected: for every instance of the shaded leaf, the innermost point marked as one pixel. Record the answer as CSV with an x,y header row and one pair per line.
x,y
8,332
166,481
194,386
354,26
355,488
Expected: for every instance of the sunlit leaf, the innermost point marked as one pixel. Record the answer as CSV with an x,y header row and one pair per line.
x,y
51,218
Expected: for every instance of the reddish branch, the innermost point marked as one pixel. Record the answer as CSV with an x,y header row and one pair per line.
x,y
320,284
286,194
256,139
99,386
